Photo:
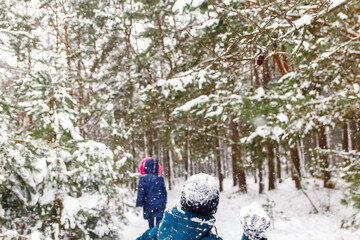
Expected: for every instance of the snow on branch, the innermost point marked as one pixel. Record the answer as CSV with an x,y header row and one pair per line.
x,y
9,32
329,53
191,104
12,234
334,5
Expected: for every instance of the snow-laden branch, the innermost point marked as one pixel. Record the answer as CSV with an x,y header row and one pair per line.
x,y
297,48
303,21
329,53
12,234
9,32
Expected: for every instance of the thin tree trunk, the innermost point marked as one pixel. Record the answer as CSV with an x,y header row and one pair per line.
x,y
239,176
191,164
294,155
278,164
355,134
218,159
67,47
81,90
150,143
271,166
266,73
261,176
134,166
345,137
166,161
234,151
186,155
57,31
324,163
256,75
255,175
309,144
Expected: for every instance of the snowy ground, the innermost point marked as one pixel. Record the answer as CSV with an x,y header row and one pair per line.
x,y
292,217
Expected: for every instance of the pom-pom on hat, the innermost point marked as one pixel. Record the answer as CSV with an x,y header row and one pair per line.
x,y
200,195
254,221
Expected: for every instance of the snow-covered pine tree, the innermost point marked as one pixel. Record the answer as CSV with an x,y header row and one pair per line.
x,y
55,183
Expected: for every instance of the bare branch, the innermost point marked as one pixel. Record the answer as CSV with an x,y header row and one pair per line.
x,y
221,16
300,44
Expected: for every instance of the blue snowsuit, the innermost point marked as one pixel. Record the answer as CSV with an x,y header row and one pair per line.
x,y
179,224
152,193
245,238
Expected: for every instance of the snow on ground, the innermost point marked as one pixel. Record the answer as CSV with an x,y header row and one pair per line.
x,y
292,217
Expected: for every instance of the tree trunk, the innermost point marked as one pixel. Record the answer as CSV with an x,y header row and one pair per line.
x,y
256,76
218,159
239,176
234,151
57,31
345,138
167,164
266,73
294,155
186,155
242,175
191,164
324,163
271,166
278,164
261,176
134,165
150,143
355,134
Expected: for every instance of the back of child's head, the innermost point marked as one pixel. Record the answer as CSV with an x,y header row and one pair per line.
x,y
200,195
151,166
255,222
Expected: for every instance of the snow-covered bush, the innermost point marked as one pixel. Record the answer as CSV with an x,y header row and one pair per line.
x,y
351,173
60,193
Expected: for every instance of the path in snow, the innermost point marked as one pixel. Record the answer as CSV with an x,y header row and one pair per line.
x,y
291,213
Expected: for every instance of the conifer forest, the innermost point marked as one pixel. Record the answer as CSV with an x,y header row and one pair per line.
x,y
249,91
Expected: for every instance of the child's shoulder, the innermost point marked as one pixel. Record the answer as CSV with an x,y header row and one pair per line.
x,y
212,237
152,177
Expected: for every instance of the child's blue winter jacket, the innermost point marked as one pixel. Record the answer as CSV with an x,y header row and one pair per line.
x,y
179,224
245,238
151,191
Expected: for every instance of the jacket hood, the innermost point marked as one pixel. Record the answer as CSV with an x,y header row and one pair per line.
x,y
151,166
179,224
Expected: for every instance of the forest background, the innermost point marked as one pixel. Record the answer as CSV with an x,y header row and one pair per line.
x,y
267,89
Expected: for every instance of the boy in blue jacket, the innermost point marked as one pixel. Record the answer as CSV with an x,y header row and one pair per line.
x,y
152,193
194,218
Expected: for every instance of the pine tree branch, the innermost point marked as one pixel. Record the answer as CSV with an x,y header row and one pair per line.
x,y
18,140
13,236
224,19
204,46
